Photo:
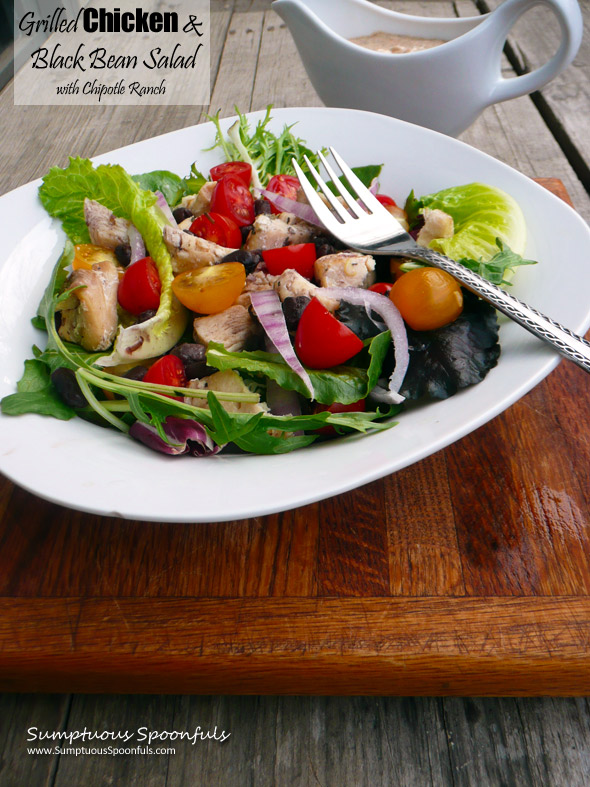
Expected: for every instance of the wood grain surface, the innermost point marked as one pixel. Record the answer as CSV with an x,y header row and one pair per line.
x,y
77,570
466,573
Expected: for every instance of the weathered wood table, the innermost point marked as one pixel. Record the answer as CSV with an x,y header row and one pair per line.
x,y
417,584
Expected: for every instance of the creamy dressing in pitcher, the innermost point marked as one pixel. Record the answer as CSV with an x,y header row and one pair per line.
x,y
394,44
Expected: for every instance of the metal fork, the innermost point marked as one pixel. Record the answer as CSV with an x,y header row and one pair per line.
x,y
372,229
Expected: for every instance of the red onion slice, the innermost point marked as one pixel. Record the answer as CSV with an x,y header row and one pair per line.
x,y
137,244
385,308
300,209
188,436
267,306
165,208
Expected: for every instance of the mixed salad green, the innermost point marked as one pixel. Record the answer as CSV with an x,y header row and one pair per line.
x,y
203,313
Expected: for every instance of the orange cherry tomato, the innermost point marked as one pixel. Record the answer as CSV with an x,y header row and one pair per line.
x,y
427,298
211,289
87,254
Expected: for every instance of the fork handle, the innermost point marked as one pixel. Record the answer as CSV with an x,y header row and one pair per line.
x,y
569,344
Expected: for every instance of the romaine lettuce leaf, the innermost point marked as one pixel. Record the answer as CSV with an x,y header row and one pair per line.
x,y
63,193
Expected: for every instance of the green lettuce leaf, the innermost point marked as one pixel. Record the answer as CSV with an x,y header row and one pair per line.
x,y
343,384
172,186
62,194
481,214
35,394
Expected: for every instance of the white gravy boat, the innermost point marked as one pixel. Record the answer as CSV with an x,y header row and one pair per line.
x,y
444,87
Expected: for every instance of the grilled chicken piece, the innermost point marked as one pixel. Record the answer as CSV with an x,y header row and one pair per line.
x,y
200,203
189,251
276,230
89,315
437,224
106,229
255,282
226,382
233,328
290,284
345,269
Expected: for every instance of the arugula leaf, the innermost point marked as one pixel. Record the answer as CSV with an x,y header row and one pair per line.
x,y
366,175
35,394
494,270
172,186
343,384
194,181
225,429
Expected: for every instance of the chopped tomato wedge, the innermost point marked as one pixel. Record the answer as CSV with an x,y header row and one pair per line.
x,y
218,229
239,169
353,407
140,287
382,287
387,201
87,254
322,341
234,200
210,289
168,370
287,185
301,257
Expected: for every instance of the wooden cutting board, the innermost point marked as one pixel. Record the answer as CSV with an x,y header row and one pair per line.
x,y
467,573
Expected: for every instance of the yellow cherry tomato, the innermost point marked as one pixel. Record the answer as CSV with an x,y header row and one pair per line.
x,y
211,289
427,298
87,254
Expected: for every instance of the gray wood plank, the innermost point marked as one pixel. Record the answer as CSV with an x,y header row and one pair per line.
x,y
565,101
18,713
281,79
117,714
237,69
515,133
42,137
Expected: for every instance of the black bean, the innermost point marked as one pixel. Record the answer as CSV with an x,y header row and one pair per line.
x,y
181,214
123,254
194,358
146,315
65,383
245,232
293,308
249,259
262,207
135,373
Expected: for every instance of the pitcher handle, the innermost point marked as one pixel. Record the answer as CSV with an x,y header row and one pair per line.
x,y
570,21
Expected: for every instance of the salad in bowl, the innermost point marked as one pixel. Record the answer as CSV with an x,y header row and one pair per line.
x,y
213,312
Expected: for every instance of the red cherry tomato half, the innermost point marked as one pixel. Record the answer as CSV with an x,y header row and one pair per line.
x,y
239,169
353,407
387,201
287,185
140,287
301,257
218,229
168,370
321,341
232,199
382,287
